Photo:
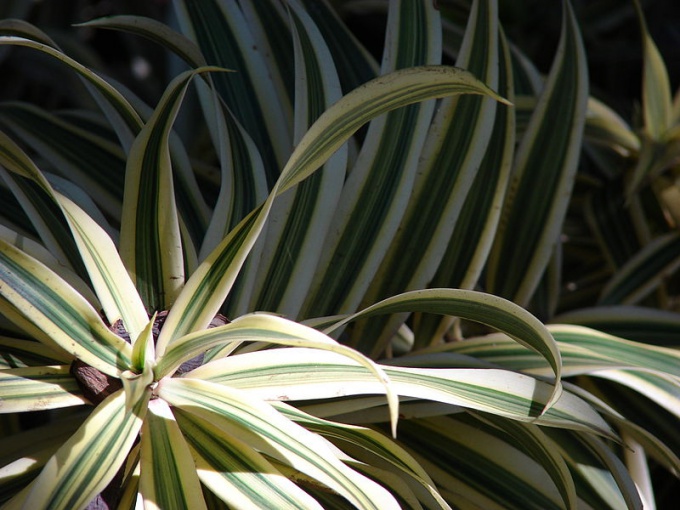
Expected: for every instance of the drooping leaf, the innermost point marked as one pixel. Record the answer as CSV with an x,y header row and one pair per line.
x,y
210,283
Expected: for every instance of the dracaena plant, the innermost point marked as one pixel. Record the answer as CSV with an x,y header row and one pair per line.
x,y
139,242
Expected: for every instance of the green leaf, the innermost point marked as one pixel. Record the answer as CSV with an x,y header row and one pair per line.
x,y
155,31
209,285
304,374
235,472
38,388
531,439
546,160
18,353
123,117
271,329
587,456
262,427
94,247
638,323
656,91
379,184
481,462
226,40
365,442
477,222
456,141
117,293
476,306
93,161
354,62
381,95
297,222
42,298
168,475
26,452
85,464
150,241
36,198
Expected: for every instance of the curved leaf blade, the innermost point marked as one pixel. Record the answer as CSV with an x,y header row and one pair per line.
x,y
271,329
51,305
37,389
303,374
84,465
237,473
209,285
168,477
476,306
150,241
546,160
261,426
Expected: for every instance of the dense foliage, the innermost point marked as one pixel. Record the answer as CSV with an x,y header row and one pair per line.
x,y
252,256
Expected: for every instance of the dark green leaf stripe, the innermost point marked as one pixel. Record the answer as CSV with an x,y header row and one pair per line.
x,y
312,196
531,440
371,440
476,306
457,142
209,285
18,353
220,43
276,38
465,463
36,196
212,281
355,65
638,323
476,225
487,390
635,354
166,463
95,163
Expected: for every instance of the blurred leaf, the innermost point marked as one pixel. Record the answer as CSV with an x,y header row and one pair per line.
x,y
644,272
656,93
